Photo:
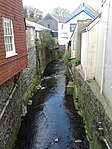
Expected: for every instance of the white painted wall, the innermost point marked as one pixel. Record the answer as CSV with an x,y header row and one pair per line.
x,y
101,45
73,45
30,38
89,48
81,16
98,61
99,57
84,52
92,49
62,34
107,79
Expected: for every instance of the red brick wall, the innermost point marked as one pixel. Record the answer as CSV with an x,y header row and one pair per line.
x,y
13,10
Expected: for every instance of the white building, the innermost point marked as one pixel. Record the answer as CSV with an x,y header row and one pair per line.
x,y
96,51
82,12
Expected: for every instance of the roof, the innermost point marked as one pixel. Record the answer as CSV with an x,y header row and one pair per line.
x,y
37,27
61,19
83,7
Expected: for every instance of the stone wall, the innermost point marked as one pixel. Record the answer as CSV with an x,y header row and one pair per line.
x,y
10,113
14,92
29,73
48,55
11,104
88,100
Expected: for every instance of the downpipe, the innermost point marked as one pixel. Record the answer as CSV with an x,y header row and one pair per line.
x,y
104,140
101,137
16,79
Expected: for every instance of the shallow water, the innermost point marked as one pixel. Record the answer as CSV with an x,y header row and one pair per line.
x,y
52,121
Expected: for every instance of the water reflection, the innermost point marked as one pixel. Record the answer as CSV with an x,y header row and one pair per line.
x,y
52,121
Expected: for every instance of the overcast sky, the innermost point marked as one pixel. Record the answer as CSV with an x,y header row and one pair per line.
x,y
48,5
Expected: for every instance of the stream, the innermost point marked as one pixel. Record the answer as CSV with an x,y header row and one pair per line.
x,y
52,122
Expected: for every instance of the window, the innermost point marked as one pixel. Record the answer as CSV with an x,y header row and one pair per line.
x,y
9,37
72,27
48,25
32,34
62,27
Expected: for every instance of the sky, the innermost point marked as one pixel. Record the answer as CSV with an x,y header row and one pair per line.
x,y
48,5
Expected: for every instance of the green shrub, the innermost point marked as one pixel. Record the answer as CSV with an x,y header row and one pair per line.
x,y
48,41
66,57
77,61
37,44
30,91
71,62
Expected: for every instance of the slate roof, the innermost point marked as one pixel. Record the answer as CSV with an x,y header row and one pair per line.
x,y
83,7
61,19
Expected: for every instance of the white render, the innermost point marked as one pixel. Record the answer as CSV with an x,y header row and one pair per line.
x,y
84,52
89,48
64,34
106,73
96,54
81,16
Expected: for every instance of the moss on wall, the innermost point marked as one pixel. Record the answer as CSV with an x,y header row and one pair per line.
x,y
30,91
70,88
13,135
92,112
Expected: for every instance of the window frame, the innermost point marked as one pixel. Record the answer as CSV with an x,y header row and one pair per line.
x,y
72,30
9,37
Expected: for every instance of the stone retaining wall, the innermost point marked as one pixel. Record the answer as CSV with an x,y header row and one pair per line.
x,y
10,112
11,108
88,100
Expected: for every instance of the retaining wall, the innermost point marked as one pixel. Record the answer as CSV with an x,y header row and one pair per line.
x,y
94,109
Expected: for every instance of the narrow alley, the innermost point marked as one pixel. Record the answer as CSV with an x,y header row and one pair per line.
x,y
52,121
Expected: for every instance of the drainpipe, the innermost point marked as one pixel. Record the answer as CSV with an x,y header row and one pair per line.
x,y
100,135
104,48
16,79
104,140
87,31
106,143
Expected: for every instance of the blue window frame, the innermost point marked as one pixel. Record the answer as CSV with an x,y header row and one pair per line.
x,y
72,27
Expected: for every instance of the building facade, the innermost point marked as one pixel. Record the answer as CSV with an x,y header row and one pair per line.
x,y
13,53
13,59
93,78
